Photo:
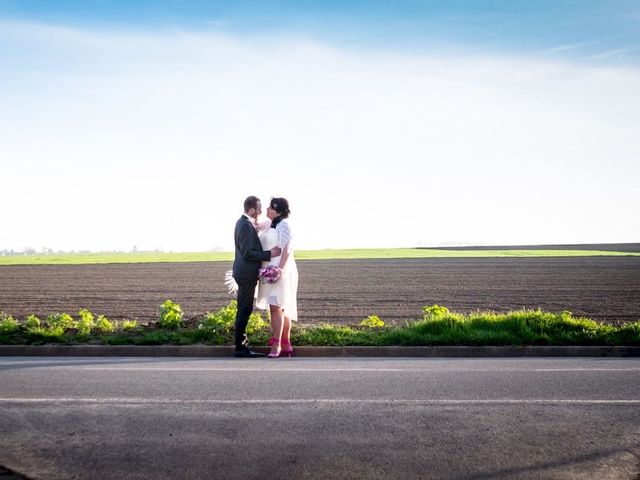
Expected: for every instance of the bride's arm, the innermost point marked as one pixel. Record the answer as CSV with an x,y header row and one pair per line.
x,y
284,242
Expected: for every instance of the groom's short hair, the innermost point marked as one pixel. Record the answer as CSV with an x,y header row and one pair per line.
x,y
251,202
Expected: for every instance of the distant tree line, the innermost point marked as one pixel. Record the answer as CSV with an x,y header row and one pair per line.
x,y
49,251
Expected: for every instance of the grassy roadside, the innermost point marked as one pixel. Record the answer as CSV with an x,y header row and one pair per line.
x,y
343,254
438,326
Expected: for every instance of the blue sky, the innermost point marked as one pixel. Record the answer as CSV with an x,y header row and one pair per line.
x,y
394,123
583,29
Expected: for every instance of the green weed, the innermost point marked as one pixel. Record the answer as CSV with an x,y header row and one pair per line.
x,y
170,315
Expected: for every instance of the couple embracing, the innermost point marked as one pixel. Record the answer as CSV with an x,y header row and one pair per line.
x,y
265,272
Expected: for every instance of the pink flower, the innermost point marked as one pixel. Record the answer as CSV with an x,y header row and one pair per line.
x,y
270,274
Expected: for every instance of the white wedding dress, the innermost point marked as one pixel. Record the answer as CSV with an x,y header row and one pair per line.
x,y
283,293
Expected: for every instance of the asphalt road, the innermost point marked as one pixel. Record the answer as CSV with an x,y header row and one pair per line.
x,y
151,418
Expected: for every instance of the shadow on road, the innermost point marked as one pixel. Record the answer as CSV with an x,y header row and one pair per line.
x,y
633,454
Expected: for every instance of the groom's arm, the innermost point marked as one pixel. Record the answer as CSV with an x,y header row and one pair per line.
x,y
247,248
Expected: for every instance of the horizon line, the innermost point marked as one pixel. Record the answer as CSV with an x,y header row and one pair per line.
x,y
33,252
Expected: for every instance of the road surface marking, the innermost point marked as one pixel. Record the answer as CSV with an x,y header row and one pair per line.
x,y
217,369
355,369
319,369
587,369
150,401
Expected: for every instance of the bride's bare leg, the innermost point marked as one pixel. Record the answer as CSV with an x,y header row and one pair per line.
x,y
286,329
276,326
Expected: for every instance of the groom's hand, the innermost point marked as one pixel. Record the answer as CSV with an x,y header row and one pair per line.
x,y
275,252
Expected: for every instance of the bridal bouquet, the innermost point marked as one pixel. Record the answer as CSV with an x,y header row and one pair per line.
x,y
270,274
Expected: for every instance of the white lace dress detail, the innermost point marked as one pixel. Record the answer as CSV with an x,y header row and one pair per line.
x,y
284,292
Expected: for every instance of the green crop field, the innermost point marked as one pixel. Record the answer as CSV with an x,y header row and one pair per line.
x,y
343,254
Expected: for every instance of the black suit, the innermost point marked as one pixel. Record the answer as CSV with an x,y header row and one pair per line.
x,y
247,263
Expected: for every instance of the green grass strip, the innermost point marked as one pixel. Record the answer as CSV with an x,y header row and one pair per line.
x,y
437,327
341,254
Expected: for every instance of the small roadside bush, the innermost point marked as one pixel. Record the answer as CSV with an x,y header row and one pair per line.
x,y
434,311
32,323
129,324
372,321
8,324
104,325
60,321
85,322
170,315
223,321
50,331
256,324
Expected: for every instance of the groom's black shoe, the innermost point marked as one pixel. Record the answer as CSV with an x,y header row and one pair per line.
x,y
246,352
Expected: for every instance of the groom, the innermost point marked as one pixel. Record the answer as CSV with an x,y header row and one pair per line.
x,y
249,258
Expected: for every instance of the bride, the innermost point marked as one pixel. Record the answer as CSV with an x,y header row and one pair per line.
x,y
279,297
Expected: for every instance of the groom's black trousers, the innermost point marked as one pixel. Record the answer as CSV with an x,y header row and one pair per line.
x,y
246,292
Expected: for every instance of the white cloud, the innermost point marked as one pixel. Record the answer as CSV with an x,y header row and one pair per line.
x,y
569,46
113,138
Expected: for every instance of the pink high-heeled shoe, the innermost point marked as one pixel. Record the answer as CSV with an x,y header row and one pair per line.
x,y
287,349
278,352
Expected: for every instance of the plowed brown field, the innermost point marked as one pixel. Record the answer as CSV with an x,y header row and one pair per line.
x,y
344,291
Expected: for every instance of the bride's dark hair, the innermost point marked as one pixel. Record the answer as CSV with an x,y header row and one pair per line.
x,y
280,205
